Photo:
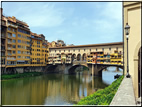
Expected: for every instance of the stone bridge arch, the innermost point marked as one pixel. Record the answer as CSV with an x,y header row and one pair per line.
x,y
50,68
71,70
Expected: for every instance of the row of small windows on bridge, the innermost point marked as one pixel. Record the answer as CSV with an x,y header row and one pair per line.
x,y
84,50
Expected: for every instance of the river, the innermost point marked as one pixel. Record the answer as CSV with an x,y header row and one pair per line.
x,y
53,89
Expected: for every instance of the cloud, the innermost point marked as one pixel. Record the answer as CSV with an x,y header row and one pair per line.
x,y
39,15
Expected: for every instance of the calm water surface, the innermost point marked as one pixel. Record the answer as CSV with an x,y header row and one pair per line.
x,y
53,89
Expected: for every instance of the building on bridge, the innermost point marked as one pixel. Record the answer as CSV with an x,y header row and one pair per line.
x,y
132,16
108,53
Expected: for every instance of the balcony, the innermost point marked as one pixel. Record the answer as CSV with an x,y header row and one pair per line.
x,y
3,36
9,36
9,42
3,23
2,49
8,58
12,25
9,48
9,54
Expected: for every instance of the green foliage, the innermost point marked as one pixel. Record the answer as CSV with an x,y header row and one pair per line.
x,y
21,75
102,97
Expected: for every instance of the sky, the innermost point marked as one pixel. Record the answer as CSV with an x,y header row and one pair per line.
x,y
77,23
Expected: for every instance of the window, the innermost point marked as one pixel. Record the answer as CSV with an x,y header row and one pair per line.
x,y
116,48
19,52
9,28
14,46
59,51
38,42
69,50
14,30
19,46
110,49
13,35
64,50
78,50
96,49
74,50
19,56
19,35
84,49
14,41
9,34
90,49
102,49
13,52
19,41
55,50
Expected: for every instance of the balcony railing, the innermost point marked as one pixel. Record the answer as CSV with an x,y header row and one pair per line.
x,y
9,54
9,42
9,48
3,35
9,36
12,25
11,58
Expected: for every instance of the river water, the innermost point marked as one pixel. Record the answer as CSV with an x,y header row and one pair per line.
x,y
53,89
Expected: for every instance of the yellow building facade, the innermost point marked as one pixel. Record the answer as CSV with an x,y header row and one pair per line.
x,y
38,50
20,47
132,16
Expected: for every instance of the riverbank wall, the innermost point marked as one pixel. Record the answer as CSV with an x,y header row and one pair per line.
x,y
15,70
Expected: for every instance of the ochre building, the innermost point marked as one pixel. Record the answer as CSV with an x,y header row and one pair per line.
x,y
132,16
20,48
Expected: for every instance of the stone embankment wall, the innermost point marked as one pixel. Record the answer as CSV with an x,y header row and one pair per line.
x,y
14,70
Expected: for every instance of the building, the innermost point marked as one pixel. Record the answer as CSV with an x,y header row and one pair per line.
x,y
17,50
132,16
95,53
38,50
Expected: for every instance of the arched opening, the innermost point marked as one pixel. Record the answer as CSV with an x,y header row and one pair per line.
x,y
73,57
79,57
139,72
84,57
50,69
81,69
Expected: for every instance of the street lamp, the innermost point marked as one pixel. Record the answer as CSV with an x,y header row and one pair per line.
x,y
127,30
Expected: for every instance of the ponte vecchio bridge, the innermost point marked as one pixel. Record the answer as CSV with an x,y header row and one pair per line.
x,y
95,56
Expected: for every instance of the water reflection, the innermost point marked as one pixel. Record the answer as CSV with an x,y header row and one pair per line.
x,y
51,89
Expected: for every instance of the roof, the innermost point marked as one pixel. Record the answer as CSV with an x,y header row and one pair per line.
x,y
89,45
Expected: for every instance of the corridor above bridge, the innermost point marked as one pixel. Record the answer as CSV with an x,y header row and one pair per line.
x,y
106,53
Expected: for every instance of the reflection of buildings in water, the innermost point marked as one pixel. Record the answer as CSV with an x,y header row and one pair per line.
x,y
35,90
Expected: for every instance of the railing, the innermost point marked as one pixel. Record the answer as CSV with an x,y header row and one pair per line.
x,y
79,62
9,36
11,64
9,48
11,58
9,42
9,54
3,35
12,25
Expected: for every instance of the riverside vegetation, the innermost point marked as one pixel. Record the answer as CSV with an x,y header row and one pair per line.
x,y
104,96
21,75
